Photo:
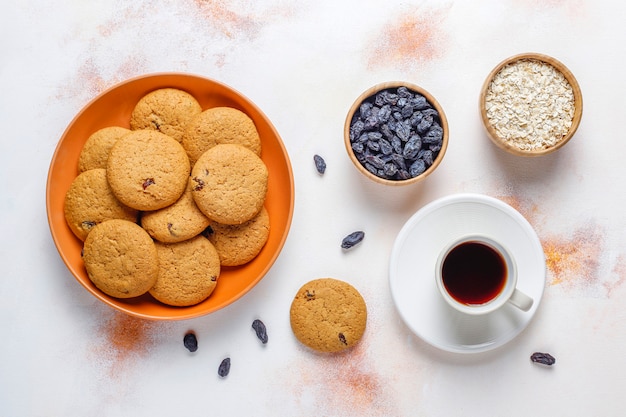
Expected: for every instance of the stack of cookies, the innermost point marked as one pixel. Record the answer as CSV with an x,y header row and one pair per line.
x,y
163,205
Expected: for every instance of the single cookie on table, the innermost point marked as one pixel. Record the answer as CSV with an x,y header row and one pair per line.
x,y
229,183
121,259
90,201
240,243
96,149
166,110
180,221
148,170
328,315
188,272
220,125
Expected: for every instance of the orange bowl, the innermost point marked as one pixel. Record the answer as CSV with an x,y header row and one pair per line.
x,y
113,108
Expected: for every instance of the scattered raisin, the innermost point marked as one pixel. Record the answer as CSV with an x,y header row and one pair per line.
x,y
147,182
320,164
261,331
88,224
191,342
310,295
342,339
224,368
208,231
352,239
169,229
214,278
199,184
543,358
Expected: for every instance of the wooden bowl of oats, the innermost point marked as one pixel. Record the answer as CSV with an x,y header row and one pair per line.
x,y
531,104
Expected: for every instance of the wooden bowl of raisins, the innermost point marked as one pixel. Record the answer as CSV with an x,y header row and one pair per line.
x,y
530,104
396,133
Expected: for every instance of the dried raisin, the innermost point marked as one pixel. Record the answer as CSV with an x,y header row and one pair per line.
x,y
88,224
147,182
199,184
190,341
543,358
352,239
261,331
224,368
320,164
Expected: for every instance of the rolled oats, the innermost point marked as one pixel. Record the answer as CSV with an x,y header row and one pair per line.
x,y
530,104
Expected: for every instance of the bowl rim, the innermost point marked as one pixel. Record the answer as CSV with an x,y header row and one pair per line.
x,y
386,86
559,66
124,305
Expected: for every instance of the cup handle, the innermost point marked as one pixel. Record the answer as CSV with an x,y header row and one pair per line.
x,y
521,300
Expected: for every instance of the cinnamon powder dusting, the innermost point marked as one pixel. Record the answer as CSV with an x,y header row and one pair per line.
x,y
126,339
524,207
414,37
344,384
229,22
619,274
574,261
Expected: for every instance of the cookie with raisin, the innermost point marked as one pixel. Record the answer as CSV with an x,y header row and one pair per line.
x,y
96,149
90,201
121,258
328,315
240,243
165,110
229,184
220,125
180,221
148,170
188,272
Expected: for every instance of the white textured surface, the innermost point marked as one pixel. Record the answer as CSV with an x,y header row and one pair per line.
x,y
64,353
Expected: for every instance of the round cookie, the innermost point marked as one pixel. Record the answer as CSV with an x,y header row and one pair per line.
x,y
167,110
328,315
188,272
148,170
96,149
90,201
121,258
220,125
239,244
180,221
229,183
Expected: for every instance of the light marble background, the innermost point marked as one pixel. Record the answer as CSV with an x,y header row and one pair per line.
x,y
63,353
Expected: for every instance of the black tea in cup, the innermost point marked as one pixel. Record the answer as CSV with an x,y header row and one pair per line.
x,y
474,273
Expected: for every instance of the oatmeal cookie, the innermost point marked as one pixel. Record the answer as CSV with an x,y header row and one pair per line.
x,y
166,110
148,170
90,201
188,272
229,184
328,315
240,243
121,258
220,125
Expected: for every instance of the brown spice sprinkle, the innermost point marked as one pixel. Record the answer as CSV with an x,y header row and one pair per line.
x,y
413,37
126,340
574,261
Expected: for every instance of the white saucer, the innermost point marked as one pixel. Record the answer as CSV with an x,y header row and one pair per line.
x,y
412,275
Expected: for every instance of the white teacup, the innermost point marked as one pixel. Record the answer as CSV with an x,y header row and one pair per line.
x,y
475,274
